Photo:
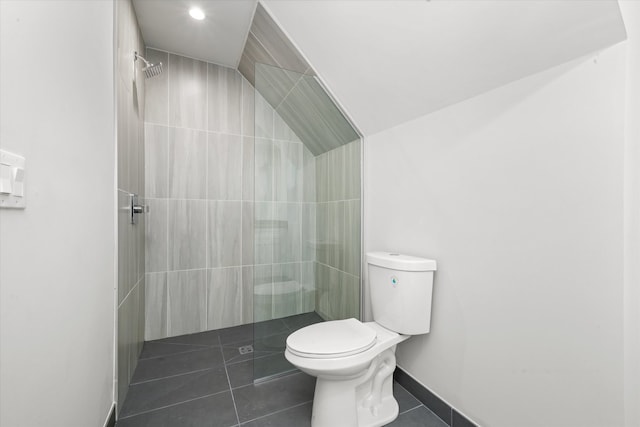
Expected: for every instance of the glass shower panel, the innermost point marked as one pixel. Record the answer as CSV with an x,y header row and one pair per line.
x,y
306,213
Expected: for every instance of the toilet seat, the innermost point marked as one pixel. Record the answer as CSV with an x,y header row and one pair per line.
x,y
333,339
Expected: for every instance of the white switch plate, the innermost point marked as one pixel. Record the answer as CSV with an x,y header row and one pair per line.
x,y
12,194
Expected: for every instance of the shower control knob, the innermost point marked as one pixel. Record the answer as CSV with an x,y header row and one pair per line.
x,y
136,209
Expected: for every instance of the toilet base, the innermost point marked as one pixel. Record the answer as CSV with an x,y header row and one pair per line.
x,y
365,400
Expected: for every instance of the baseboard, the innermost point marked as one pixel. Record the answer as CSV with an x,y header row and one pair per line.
x,y
442,409
111,417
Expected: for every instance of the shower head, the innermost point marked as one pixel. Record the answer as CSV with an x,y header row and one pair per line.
x,y
150,70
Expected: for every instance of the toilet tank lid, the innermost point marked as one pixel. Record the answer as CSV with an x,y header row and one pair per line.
x,y
396,261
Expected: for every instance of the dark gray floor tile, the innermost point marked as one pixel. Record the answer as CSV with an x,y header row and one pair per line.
x,y
241,374
246,332
169,391
232,354
236,334
299,416
301,320
418,417
277,342
459,420
207,338
256,400
157,349
405,399
425,396
181,363
265,367
210,411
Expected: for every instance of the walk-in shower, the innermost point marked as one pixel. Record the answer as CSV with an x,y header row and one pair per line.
x,y
307,210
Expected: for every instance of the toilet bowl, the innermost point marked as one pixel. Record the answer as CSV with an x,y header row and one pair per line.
x,y
354,364
354,361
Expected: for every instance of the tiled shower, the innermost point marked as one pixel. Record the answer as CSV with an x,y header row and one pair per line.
x,y
251,181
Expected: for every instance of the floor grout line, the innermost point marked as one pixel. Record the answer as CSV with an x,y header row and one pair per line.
x,y
173,404
174,376
233,399
279,411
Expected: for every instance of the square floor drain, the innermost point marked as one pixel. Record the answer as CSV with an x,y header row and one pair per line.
x,y
245,349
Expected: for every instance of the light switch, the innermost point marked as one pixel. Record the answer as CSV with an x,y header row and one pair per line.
x,y
18,181
6,179
12,180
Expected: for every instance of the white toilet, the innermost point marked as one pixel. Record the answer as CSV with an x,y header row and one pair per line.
x,y
354,361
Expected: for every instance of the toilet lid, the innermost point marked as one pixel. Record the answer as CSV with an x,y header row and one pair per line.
x,y
336,338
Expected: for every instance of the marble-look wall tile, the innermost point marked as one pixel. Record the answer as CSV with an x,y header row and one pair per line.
x,y
140,230
155,306
349,296
156,165
335,293
322,290
335,174
287,171
262,292
253,53
224,300
187,92
282,131
187,163
263,184
187,236
308,232
187,303
142,297
308,175
351,236
287,298
133,324
322,178
352,164
247,294
224,229
122,134
127,261
264,232
248,170
336,234
263,113
248,233
156,235
286,244
157,90
248,107
135,146
224,167
308,280
276,42
322,233
124,349
224,87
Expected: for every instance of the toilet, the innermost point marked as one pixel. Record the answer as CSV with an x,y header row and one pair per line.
x,y
354,361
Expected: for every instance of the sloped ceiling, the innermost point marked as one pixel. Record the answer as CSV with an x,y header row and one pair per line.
x,y
390,61
219,38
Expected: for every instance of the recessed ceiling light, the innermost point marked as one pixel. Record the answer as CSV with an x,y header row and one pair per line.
x,y
196,13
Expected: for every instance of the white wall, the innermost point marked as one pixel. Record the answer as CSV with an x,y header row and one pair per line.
x,y
57,262
631,14
518,194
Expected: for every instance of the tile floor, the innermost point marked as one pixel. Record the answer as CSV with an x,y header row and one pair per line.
x,y
201,380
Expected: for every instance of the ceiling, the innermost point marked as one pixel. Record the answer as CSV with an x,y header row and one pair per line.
x,y
390,61
219,38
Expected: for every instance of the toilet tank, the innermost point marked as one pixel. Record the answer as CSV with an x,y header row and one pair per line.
x,y
401,287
